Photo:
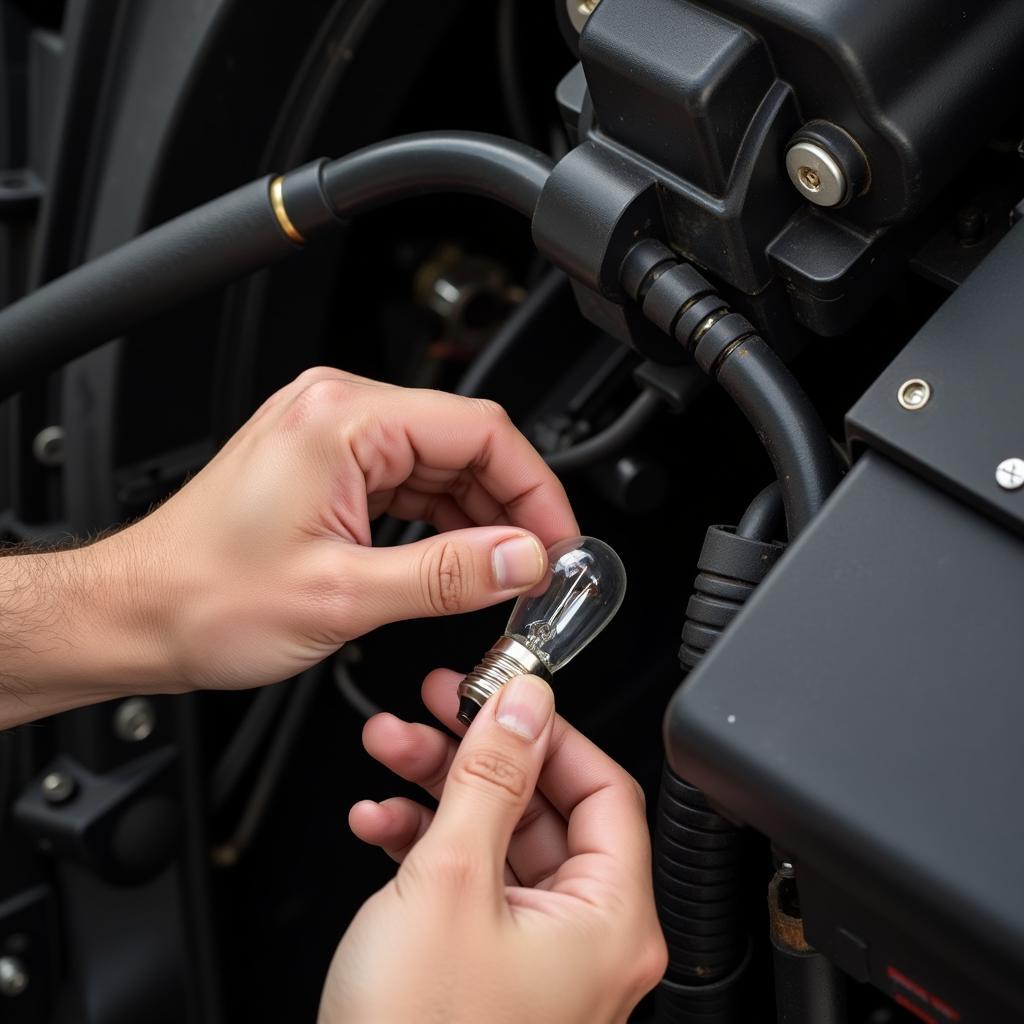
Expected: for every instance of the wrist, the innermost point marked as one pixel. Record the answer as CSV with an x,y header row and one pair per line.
x,y
79,626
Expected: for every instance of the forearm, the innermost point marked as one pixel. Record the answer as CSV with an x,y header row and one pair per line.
x,y
76,627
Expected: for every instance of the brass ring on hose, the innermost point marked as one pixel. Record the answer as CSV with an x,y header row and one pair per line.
x,y
277,202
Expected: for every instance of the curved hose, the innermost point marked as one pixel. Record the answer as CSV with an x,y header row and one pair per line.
x,y
247,229
765,518
415,165
607,442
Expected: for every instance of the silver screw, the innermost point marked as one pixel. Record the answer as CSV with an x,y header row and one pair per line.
x,y
579,11
1010,474
816,174
914,394
13,976
787,870
58,787
48,446
134,720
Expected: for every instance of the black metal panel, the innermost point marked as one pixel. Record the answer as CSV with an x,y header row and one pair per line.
x,y
919,84
971,353
864,712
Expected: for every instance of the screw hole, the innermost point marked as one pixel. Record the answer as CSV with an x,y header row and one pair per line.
x,y
810,179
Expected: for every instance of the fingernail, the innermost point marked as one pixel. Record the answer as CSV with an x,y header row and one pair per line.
x,y
518,562
524,706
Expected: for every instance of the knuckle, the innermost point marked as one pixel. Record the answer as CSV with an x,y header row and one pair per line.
x,y
316,401
652,960
447,578
492,772
316,373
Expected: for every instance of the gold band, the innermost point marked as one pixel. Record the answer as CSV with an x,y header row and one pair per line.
x,y
277,202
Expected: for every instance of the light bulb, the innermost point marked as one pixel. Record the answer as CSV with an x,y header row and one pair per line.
x,y
551,624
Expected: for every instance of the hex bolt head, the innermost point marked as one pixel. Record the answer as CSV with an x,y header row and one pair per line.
x,y
58,787
13,976
914,394
816,173
134,720
1010,474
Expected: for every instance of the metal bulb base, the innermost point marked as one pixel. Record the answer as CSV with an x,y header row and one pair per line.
x,y
507,659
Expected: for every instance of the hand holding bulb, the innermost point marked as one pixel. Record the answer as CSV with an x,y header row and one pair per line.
x,y
551,624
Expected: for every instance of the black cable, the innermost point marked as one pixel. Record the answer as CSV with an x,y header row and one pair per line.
x,y
301,695
245,743
413,165
765,518
676,298
612,439
477,377
510,78
245,230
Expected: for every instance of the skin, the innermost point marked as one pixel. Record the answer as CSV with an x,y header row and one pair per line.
x,y
514,901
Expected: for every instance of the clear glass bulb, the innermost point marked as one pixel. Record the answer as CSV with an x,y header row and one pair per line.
x,y
550,625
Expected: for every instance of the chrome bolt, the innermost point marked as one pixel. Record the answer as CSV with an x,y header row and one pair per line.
x,y
58,787
914,394
48,446
13,976
579,11
816,174
134,720
1010,474
787,870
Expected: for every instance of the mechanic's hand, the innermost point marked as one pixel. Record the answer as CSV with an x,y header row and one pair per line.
x,y
509,905
266,553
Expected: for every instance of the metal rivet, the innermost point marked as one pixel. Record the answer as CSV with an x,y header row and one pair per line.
x,y
914,394
579,11
48,446
135,720
58,787
13,976
1010,474
816,174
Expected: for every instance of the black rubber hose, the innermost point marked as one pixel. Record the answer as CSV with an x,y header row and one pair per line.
x,y
611,440
787,424
241,232
765,518
215,243
412,165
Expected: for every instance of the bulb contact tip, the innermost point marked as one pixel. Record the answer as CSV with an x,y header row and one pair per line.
x,y
468,709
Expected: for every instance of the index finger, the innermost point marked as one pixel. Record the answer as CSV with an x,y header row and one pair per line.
x,y
451,433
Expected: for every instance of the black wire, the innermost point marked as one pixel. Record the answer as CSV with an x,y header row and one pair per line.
x,y
244,744
477,378
300,698
513,91
612,439
765,517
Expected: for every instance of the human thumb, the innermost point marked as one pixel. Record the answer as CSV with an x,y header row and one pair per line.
x,y
491,779
456,571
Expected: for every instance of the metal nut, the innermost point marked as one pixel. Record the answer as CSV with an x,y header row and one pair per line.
x,y
1010,474
816,174
58,787
13,976
135,720
914,394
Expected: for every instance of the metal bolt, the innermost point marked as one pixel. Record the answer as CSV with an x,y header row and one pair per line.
x,y
787,870
48,446
914,394
816,174
579,11
1010,474
58,787
13,976
135,720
